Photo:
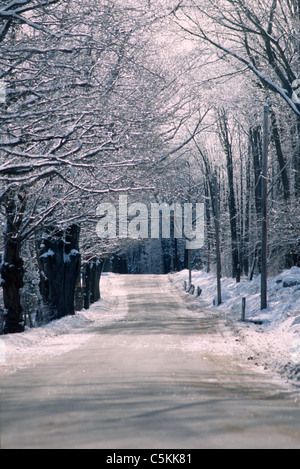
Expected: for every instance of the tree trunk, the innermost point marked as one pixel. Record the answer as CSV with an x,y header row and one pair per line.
x,y
297,160
12,271
92,275
60,271
52,274
280,156
208,225
72,261
225,139
256,146
216,212
99,267
87,285
96,270
246,237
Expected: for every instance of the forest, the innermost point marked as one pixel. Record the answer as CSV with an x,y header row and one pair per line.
x,y
162,102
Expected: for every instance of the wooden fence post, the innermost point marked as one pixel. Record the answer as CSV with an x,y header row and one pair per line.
x,y
243,309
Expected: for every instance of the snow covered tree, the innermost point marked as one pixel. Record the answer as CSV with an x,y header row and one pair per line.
x,y
262,37
80,119
252,52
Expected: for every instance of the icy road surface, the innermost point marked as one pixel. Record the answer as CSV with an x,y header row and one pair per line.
x,y
158,376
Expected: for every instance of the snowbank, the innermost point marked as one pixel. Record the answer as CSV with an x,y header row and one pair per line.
x,y
274,344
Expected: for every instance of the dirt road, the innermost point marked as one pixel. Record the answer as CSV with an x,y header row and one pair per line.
x,y
161,376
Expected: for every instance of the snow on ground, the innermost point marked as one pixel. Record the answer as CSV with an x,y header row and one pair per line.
x,y
38,345
276,343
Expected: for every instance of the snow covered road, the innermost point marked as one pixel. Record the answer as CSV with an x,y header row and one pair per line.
x,y
158,375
